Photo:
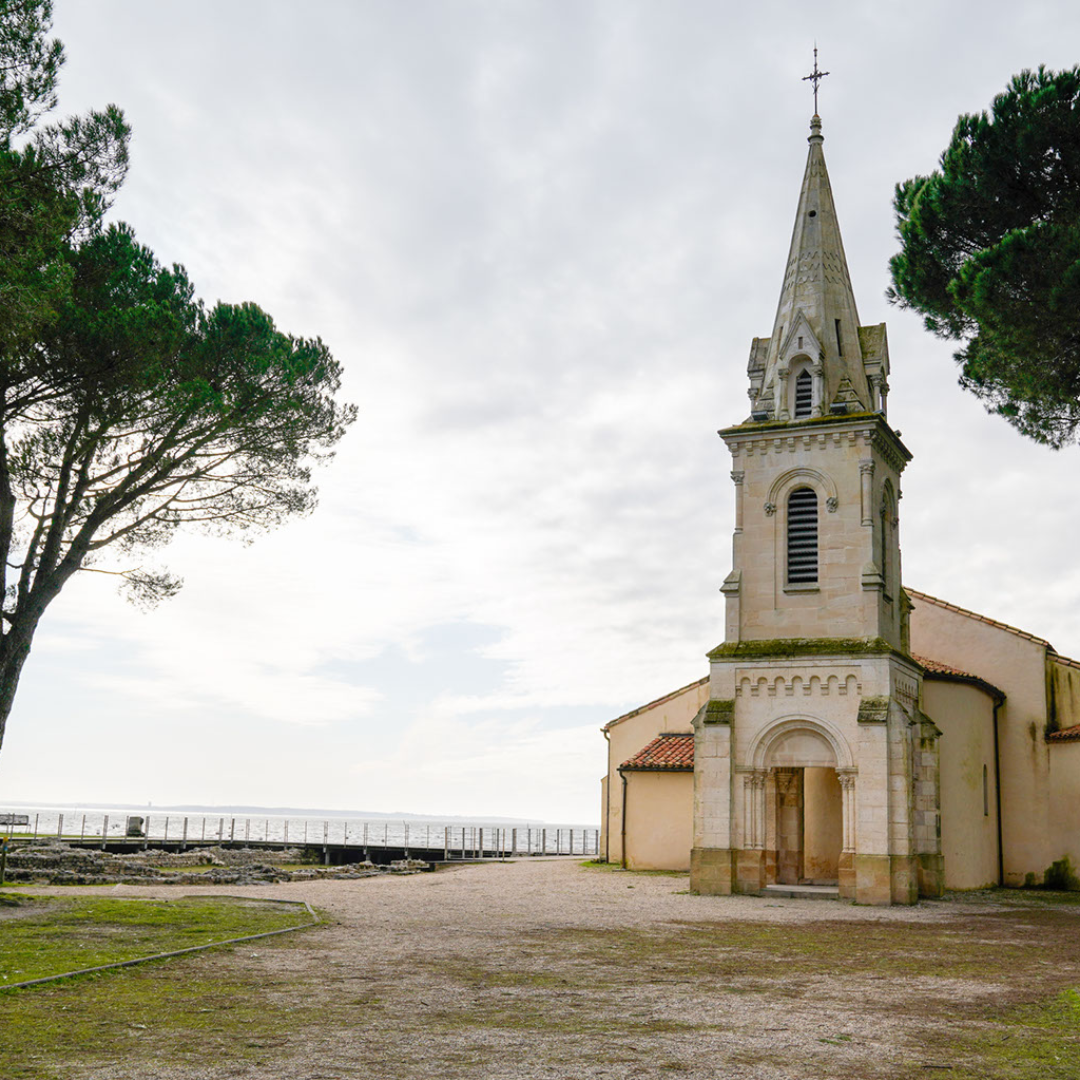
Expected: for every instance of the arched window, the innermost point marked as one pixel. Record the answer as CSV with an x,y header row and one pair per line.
x,y
804,394
802,536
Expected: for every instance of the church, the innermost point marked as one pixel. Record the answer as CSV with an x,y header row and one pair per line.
x,y
854,737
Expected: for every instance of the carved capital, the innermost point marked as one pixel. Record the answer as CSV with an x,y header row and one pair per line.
x,y
846,778
866,467
832,504
785,781
737,477
770,509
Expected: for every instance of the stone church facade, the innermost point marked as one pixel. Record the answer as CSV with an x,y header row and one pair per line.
x,y
852,734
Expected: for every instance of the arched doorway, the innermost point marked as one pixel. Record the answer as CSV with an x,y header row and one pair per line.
x,y
804,812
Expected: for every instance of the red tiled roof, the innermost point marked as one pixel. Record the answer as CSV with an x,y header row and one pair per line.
x,y
669,752
1069,734
658,701
936,669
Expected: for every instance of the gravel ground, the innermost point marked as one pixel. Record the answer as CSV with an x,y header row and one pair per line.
x,y
542,969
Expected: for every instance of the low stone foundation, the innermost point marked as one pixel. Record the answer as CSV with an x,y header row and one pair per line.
x,y
58,864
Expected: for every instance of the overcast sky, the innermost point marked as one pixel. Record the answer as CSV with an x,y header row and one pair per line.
x,y
539,236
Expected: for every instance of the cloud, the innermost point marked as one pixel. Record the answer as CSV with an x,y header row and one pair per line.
x,y
540,239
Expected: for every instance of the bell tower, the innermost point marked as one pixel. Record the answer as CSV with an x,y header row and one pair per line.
x,y
813,760
816,466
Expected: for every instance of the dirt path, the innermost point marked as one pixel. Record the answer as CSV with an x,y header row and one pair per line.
x,y
543,969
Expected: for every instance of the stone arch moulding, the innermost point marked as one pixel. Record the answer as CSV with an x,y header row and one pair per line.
x,y
760,748
790,479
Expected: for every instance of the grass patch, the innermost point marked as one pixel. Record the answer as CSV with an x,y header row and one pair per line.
x,y
191,1011
1036,1041
43,936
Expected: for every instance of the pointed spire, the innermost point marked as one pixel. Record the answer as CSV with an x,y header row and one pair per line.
x,y
817,322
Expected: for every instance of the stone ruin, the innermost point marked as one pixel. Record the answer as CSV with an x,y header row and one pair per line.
x,y
56,863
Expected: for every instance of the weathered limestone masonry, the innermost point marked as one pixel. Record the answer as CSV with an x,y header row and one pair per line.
x,y
813,761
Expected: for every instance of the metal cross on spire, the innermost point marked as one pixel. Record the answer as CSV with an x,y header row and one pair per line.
x,y
815,77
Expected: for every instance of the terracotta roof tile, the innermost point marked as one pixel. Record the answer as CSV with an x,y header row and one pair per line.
x,y
669,752
1069,734
936,669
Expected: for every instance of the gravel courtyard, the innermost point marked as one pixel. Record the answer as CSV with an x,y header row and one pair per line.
x,y
543,968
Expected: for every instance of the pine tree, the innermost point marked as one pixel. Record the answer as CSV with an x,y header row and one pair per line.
x,y
990,253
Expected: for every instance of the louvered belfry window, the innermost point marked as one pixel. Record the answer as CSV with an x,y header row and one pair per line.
x,y
804,394
802,536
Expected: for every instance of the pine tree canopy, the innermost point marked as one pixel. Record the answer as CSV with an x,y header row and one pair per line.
x,y
127,408
990,253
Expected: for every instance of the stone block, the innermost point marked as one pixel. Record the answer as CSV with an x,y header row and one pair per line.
x,y
711,871
904,876
873,882
749,870
846,875
931,875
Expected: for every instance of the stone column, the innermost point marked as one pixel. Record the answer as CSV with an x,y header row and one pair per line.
x,y
782,410
789,826
754,809
847,788
737,479
866,478
818,408
846,869
747,822
760,777
750,857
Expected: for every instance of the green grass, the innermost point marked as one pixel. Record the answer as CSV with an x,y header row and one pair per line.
x,y
44,936
189,1011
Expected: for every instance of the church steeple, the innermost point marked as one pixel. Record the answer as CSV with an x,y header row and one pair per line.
x,y
816,330
817,467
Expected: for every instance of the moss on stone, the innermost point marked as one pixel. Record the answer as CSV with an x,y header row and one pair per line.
x,y
784,648
720,711
803,422
873,710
